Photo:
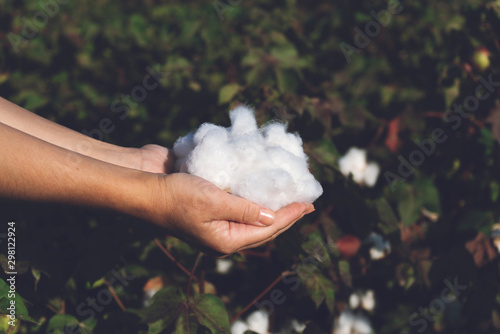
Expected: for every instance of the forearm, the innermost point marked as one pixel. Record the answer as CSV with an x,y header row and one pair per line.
x,y
33,169
39,127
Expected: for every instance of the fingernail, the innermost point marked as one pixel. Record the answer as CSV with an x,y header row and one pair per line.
x,y
266,217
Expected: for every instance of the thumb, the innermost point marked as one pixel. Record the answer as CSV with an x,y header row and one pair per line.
x,y
240,210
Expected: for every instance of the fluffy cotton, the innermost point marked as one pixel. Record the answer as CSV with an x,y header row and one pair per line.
x,y
223,266
354,162
365,300
257,322
267,166
352,323
380,247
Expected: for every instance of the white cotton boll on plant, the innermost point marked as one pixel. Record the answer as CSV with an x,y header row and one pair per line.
x,y
223,266
380,247
239,327
368,300
258,322
352,323
298,326
354,162
344,323
361,325
266,166
371,174
354,301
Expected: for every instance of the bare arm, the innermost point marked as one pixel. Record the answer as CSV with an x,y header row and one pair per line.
x,y
146,158
189,207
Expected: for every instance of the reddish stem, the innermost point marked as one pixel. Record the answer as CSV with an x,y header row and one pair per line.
x,y
115,296
171,257
266,290
191,275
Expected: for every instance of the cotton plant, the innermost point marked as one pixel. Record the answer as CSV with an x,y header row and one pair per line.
x,y
223,266
380,248
257,322
362,299
354,162
265,165
352,323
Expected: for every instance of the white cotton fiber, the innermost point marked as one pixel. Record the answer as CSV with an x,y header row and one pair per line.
x,y
267,166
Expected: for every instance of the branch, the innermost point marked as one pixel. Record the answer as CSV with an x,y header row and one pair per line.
x,y
171,257
198,258
115,296
266,290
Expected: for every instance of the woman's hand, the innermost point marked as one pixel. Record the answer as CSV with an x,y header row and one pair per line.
x,y
200,213
156,159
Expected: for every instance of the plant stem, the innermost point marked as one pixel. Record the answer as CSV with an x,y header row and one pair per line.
x,y
256,299
171,257
198,258
115,296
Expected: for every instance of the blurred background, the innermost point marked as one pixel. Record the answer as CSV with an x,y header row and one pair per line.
x,y
403,239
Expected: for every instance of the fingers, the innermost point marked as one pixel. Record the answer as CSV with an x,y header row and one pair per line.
x,y
250,236
239,210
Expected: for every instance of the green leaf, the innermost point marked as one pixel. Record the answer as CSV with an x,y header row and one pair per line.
x,y
60,322
389,221
413,197
164,309
36,275
345,272
5,302
227,93
319,288
477,220
209,311
67,324
315,247
326,152
287,80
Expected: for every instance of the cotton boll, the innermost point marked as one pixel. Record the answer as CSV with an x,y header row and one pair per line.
x,y
344,323
258,322
380,247
371,174
354,301
242,121
368,300
354,162
239,327
223,266
362,325
376,254
297,326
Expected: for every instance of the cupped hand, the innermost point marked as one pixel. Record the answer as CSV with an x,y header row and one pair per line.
x,y
200,213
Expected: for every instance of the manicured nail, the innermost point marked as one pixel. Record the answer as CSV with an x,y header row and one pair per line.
x,y
266,217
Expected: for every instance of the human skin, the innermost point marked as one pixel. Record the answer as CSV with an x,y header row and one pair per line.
x,y
37,163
